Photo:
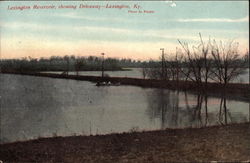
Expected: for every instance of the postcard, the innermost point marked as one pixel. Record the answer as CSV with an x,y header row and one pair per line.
x,y
124,81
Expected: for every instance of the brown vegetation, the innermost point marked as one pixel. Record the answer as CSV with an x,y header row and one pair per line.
x,y
218,143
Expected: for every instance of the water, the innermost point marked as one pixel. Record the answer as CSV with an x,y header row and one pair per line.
x,y
33,107
131,73
137,73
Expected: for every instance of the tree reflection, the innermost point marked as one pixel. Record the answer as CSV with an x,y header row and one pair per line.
x,y
163,105
195,112
224,113
174,109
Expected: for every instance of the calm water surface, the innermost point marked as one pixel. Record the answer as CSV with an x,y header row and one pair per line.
x,y
137,73
33,107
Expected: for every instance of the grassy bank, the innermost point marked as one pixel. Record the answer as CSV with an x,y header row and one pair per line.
x,y
221,143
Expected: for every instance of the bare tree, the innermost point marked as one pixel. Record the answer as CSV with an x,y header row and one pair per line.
x,y
164,67
79,63
194,63
66,58
205,59
144,72
154,73
198,62
176,67
227,62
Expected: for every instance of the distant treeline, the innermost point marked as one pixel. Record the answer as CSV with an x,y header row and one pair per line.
x,y
73,63
66,63
90,63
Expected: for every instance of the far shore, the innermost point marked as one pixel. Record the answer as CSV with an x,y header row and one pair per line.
x,y
215,143
99,70
237,91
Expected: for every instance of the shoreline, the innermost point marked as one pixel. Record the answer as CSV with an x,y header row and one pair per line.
x,y
213,143
233,90
128,132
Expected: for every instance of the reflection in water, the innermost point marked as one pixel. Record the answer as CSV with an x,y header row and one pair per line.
x,y
197,117
225,116
223,111
24,110
164,105
34,107
175,109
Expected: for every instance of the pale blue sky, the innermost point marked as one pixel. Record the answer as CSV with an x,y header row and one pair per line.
x,y
90,31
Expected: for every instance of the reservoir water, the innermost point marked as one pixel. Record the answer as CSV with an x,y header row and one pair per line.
x,y
33,107
137,73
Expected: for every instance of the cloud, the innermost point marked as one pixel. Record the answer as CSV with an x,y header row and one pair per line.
x,y
91,31
72,15
75,33
171,3
226,20
56,28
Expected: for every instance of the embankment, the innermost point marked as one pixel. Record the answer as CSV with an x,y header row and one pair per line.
x,y
233,90
217,143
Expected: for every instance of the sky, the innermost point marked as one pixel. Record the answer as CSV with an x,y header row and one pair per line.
x,y
119,33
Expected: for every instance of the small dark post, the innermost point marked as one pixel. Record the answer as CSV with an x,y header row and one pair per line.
x,y
67,66
162,63
102,64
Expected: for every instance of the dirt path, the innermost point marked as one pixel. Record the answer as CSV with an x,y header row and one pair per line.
x,y
221,143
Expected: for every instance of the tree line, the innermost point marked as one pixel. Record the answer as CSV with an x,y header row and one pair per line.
x,y
72,63
66,63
